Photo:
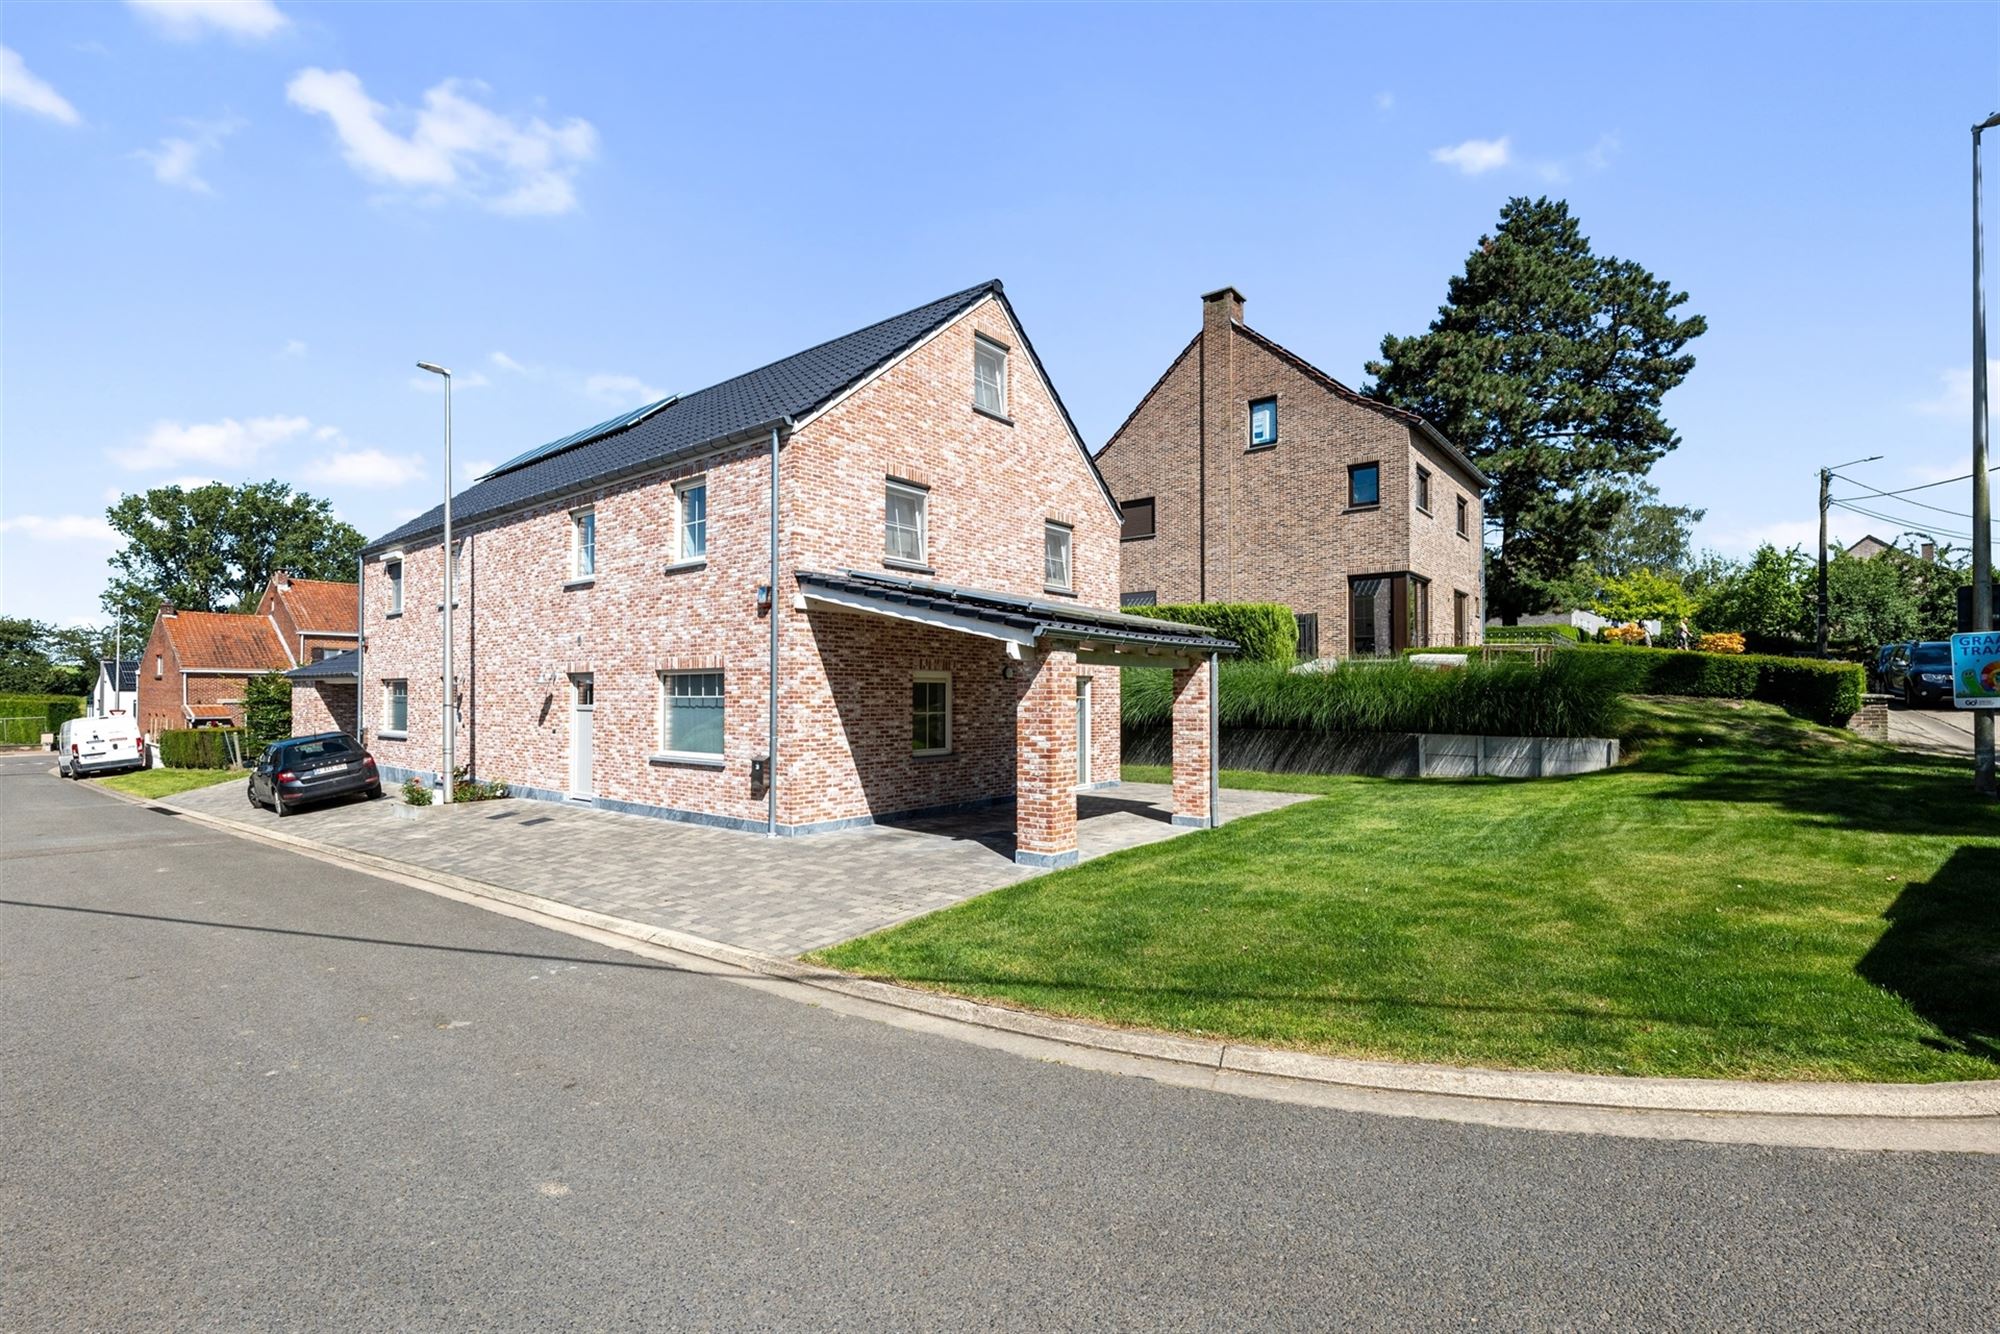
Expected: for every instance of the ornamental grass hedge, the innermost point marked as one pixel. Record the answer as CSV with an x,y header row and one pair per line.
x,y
1812,688
1531,634
1564,698
1265,631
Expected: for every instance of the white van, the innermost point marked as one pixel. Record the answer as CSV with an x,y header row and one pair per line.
x,y
99,745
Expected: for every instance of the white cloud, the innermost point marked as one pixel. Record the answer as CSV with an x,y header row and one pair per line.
x,y
328,433
475,469
370,468
621,391
19,87
177,160
188,19
507,363
294,347
1476,156
1600,154
1954,392
1385,101
225,442
508,164
61,528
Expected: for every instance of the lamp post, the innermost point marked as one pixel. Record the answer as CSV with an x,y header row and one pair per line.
x,y
1826,480
450,587
1982,525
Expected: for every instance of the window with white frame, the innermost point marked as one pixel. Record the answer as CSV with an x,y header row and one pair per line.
x,y
930,713
396,707
905,520
989,377
1055,555
583,544
1264,422
691,713
394,570
159,665
691,507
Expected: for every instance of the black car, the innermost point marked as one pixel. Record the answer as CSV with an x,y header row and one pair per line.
x,y
1922,676
302,769
1885,668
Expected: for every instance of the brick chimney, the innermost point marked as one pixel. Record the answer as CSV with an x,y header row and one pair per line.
x,y
1221,312
1929,552
167,607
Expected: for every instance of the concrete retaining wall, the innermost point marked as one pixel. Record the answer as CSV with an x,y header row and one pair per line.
x,y
1388,754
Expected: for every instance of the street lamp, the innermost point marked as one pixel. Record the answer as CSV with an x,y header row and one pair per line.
x,y
1825,479
1982,526
450,711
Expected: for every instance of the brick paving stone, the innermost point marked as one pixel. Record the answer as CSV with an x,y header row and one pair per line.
x,y
782,896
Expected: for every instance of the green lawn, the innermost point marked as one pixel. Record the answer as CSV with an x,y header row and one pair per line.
x,y
1752,897
166,782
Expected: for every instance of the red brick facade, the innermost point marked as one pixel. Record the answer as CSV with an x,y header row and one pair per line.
x,y
1272,523
310,615
525,630
197,662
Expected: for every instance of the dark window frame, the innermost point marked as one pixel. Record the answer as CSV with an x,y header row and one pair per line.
x,y
1353,471
1464,518
1423,496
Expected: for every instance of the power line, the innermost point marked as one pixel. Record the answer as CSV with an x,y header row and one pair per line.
x,y
1902,523
1925,486
1891,495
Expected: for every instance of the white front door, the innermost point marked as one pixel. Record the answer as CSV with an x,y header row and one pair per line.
x,y
1082,731
583,705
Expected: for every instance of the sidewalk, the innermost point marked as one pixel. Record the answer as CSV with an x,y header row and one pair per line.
x,y
776,896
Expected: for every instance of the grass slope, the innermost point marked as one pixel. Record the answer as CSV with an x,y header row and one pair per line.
x,y
1752,897
153,783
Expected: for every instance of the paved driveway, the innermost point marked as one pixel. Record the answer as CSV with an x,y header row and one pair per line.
x,y
1933,731
783,896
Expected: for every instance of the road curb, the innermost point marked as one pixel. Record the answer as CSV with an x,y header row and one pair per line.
x,y
1962,1116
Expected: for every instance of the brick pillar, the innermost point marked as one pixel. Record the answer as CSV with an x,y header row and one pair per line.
x,y
1191,751
1045,760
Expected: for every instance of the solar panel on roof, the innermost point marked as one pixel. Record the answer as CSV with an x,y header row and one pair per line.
x,y
587,434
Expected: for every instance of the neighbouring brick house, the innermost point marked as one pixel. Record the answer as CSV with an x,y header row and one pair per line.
x,y
196,663
314,617
1246,474
326,694
936,594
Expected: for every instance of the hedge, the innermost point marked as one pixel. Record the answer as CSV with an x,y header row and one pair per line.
x,y
23,718
1266,631
1813,688
1504,698
1531,634
202,747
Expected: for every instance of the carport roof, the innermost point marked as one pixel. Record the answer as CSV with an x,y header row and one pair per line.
x,y
333,667
1028,619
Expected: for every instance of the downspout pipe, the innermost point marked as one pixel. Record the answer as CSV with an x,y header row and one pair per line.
x,y
361,650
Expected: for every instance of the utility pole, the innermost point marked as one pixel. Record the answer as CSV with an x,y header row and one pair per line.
x,y
450,591
1982,517
1825,482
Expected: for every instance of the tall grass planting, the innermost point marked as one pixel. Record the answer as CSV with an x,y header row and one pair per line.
x,y
1506,698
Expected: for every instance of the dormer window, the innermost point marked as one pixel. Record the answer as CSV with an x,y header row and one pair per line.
x,y
1056,542
989,377
904,536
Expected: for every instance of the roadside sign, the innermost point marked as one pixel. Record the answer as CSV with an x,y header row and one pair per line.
x,y
1975,670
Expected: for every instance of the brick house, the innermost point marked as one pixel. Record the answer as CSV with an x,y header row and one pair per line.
x,y
936,595
195,666
1246,474
314,617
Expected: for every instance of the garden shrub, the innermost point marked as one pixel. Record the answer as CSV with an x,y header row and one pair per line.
x,y
1813,688
1624,634
1265,631
1726,642
202,748
267,709
23,718
416,792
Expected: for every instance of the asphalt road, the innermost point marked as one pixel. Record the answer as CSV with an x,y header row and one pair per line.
x,y
245,1089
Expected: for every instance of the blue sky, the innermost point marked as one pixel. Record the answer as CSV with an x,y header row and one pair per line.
x,y
231,229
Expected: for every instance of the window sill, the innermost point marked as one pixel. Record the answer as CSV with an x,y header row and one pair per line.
x,y
392,736
1362,509
927,755
1465,537
680,566
1054,591
387,616
914,567
588,581
1425,512
995,416
1255,447
687,759
1138,537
